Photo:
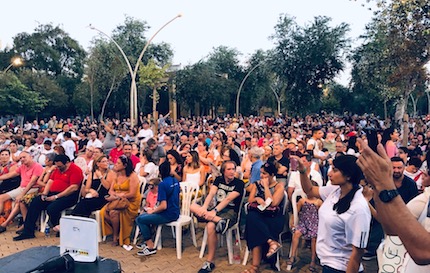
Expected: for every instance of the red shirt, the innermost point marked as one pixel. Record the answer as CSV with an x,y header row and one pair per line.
x,y
135,160
72,176
114,154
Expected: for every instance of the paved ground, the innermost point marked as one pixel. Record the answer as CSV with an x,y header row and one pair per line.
x,y
165,259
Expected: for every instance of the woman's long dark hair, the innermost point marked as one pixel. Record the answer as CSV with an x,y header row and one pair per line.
x,y
128,165
347,165
386,135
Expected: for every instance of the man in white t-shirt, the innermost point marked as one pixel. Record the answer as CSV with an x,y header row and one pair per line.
x,y
94,141
60,136
294,178
145,133
313,145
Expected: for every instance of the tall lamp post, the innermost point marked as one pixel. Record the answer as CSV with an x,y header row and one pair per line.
x,y
133,73
241,85
17,61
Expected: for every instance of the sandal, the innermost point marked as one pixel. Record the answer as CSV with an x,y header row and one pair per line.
x,y
251,269
274,247
291,261
312,267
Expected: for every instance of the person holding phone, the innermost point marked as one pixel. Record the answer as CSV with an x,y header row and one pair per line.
x,y
344,217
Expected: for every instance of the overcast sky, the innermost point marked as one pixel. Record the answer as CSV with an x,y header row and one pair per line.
x,y
241,24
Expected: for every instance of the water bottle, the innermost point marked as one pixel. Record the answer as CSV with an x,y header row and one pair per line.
x,y
47,232
236,253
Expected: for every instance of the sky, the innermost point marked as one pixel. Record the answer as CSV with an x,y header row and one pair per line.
x,y
242,24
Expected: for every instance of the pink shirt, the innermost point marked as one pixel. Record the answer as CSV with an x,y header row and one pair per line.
x,y
151,200
27,173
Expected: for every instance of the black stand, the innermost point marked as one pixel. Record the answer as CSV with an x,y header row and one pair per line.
x,y
28,259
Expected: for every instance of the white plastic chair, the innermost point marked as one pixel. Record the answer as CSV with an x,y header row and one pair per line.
x,y
284,211
296,194
189,195
228,234
142,187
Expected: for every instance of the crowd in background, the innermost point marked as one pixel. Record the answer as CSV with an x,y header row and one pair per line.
x,y
268,157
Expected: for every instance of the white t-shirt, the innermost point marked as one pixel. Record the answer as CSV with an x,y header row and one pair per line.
x,y
416,206
145,134
95,143
338,232
417,177
149,168
70,148
294,180
60,137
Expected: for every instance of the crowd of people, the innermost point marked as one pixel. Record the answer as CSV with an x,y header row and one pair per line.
x,y
352,192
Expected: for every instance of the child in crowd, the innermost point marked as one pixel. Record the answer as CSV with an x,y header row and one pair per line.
x,y
308,227
152,194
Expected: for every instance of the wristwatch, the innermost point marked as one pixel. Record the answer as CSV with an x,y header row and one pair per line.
x,y
388,195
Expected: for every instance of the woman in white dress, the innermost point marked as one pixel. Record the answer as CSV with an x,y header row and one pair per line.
x,y
193,171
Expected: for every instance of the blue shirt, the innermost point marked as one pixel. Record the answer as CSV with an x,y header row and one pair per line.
x,y
255,171
168,190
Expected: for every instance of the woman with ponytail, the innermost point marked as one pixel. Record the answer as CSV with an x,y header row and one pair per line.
x,y
344,217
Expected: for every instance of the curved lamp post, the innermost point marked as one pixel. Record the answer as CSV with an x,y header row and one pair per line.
x,y
241,85
133,73
17,61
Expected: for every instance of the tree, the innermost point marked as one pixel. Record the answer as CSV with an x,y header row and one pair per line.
x,y
154,77
307,57
15,98
397,50
51,50
204,87
47,88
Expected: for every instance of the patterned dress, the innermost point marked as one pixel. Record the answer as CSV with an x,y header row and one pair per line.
x,y
308,220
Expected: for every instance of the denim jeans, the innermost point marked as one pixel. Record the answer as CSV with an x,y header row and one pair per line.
x,y
144,221
327,269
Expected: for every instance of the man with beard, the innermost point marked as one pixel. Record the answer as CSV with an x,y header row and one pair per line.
x,y
126,148
116,152
406,187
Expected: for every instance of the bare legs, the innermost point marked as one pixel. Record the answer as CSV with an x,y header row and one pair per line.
x,y
112,217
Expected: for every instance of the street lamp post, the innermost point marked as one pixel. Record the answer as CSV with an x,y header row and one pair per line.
x,y
241,85
133,73
17,61
133,106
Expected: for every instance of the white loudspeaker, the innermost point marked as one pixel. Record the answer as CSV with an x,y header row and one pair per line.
x,y
79,238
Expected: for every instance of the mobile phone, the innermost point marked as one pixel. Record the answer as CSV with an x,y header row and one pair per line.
x,y
372,138
293,164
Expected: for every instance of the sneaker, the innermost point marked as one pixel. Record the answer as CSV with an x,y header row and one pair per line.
x,y
146,251
207,267
2,229
222,226
368,256
141,246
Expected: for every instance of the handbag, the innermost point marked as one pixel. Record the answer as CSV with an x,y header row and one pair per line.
x,y
268,211
118,204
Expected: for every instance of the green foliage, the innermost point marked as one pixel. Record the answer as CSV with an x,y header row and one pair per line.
x,y
205,84
391,62
307,57
15,98
52,51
